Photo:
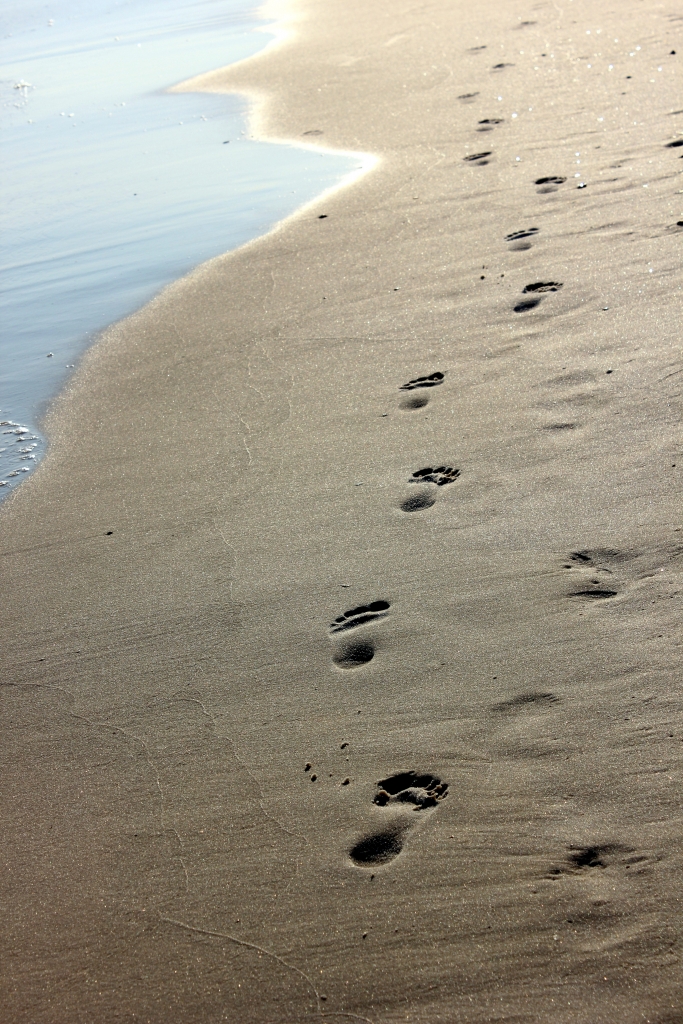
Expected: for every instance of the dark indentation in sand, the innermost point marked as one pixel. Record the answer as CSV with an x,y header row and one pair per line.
x,y
357,616
478,158
313,131
582,859
467,97
429,381
573,377
354,654
440,475
378,849
543,286
418,501
422,790
560,426
476,49
524,24
489,123
549,184
598,556
499,67
524,233
675,144
595,593
414,402
537,288
524,305
518,239
526,701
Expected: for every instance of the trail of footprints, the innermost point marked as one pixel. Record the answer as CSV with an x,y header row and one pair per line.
x,y
402,796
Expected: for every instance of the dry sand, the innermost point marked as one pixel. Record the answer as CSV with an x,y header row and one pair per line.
x,y
227,478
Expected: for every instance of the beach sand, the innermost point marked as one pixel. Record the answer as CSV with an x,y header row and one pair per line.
x,y
209,811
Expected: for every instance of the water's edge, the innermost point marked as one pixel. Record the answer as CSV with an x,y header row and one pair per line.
x,y
270,183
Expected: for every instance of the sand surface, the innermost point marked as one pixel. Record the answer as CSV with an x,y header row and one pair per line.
x,y
194,731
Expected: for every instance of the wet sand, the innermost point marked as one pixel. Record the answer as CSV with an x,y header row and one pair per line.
x,y
356,694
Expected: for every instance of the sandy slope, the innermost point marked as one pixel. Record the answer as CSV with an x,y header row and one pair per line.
x,y
180,721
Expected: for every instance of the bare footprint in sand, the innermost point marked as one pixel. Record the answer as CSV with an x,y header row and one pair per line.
x,y
478,159
519,240
428,479
535,292
356,651
412,402
488,124
403,794
586,860
550,184
595,579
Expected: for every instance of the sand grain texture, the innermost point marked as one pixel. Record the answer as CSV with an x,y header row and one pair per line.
x,y
194,826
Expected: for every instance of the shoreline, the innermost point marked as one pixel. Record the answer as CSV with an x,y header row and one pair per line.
x,y
355,693
132,230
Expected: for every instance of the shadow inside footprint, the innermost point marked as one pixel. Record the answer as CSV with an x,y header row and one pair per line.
x,y
526,702
488,124
478,159
431,380
517,239
549,184
440,476
413,402
536,291
583,859
418,500
357,616
422,791
595,594
377,849
354,654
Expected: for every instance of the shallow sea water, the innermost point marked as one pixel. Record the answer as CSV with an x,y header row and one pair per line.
x,y
116,187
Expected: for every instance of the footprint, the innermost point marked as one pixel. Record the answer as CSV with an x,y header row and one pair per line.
x,y
425,497
592,588
354,653
527,701
358,616
549,184
467,97
409,791
432,380
411,402
675,144
499,67
378,849
440,476
536,290
516,239
489,123
587,859
418,500
478,159
421,791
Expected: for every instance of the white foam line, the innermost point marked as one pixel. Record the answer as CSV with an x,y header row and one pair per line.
x,y
284,17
